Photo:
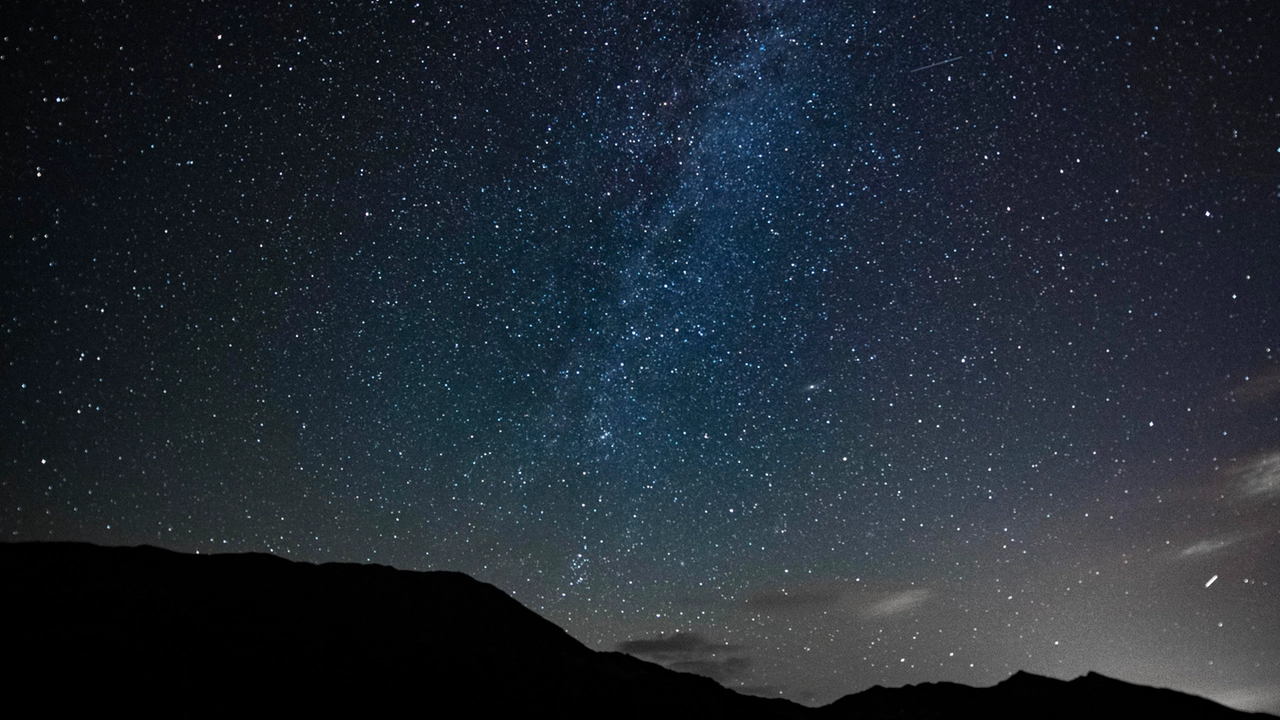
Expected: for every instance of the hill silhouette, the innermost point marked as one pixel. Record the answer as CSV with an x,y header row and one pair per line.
x,y
150,632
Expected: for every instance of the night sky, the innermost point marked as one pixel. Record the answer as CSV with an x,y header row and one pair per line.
x,y
809,346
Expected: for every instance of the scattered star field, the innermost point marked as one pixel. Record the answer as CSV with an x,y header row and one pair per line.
x,y
805,345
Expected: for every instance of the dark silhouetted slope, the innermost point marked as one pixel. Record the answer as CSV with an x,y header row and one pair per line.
x,y
149,631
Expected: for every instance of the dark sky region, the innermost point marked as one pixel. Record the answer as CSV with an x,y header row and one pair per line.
x,y
808,345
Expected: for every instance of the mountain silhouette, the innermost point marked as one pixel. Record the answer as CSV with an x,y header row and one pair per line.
x,y
150,631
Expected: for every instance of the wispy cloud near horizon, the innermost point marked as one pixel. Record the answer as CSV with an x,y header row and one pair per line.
x,y
897,603
849,600
692,653
1260,477
1205,547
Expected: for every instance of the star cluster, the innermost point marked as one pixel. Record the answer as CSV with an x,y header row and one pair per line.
x,y
808,346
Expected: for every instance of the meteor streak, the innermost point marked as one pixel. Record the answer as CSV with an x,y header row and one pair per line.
x,y
940,62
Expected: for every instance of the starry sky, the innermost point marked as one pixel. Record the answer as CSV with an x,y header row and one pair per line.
x,y
806,345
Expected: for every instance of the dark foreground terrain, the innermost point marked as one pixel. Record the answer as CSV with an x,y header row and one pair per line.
x,y
149,631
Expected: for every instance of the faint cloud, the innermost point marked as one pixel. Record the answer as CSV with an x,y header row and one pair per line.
x,y
1260,478
1259,388
899,602
1204,547
665,648
691,653
841,599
